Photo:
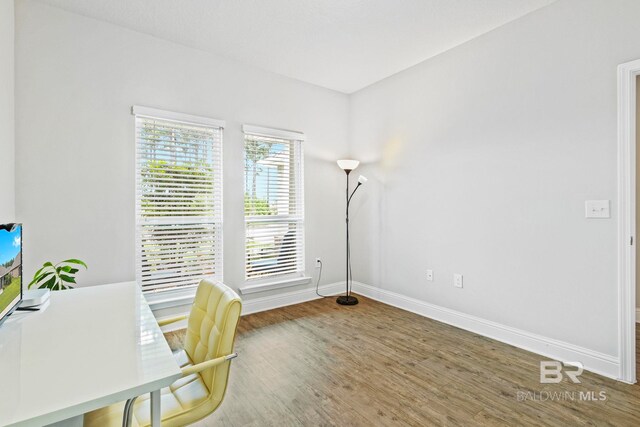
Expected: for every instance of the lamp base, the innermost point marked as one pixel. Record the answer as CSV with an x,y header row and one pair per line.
x,y
347,300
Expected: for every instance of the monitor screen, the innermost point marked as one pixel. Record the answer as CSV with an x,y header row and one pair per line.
x,y
10,268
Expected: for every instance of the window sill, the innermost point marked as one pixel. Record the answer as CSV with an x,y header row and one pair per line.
x,y
276,284
171,299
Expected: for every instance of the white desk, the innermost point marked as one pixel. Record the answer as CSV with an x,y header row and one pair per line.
x,y
91,347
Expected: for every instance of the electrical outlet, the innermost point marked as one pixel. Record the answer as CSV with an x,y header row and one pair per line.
x,y
430,275
318,262
457,280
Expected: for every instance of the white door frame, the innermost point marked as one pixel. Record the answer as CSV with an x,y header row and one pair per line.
x,y
627,74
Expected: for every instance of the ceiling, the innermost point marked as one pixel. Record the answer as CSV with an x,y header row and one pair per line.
x,y
343,45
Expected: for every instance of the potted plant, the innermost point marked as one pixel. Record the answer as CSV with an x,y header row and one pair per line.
x,y
57,277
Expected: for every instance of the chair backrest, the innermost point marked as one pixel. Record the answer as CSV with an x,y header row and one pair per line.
x,y
211,331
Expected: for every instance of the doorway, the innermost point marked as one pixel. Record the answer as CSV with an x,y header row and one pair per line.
x,y
627,186
636,137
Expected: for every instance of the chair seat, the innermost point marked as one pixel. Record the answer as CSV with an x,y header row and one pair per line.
x,y
182,395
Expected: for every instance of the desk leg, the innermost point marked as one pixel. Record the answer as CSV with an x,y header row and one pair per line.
x,y
155,408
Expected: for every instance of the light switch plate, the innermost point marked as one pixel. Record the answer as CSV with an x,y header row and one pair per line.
x,y
457,280
597,209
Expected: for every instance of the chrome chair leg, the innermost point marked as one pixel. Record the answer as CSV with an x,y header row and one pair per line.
x,y
128,411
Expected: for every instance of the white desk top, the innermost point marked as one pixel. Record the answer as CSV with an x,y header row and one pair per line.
x,y
89,348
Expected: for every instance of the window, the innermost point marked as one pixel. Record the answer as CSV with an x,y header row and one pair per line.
x,y
178,200
273,203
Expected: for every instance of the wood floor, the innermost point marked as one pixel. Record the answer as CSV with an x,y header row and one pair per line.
x,y
637,351
317,364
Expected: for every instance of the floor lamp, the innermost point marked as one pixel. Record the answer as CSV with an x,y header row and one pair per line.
x,y
347,166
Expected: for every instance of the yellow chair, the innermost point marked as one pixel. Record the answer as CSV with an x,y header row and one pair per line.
x,y
205,363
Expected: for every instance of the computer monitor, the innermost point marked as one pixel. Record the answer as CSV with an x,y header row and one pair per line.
x,y
10,268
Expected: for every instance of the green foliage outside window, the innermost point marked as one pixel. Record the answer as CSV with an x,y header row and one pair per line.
x,y
164,179
256,206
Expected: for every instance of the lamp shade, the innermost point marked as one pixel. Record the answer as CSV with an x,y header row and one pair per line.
x,y
362,179
348,165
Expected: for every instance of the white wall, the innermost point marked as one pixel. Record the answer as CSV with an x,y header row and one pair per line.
x,y
7,137
490,151
77,79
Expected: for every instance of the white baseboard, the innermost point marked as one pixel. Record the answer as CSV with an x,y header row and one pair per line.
x,y
270,302
603,364
600,363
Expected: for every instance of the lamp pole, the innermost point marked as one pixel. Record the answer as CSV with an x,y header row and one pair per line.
x,y
347,166
347,299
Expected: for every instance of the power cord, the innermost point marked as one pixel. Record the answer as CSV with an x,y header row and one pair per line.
x,y
318,283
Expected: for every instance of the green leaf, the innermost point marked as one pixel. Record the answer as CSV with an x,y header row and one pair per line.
x,y
75,261
35,279
49,283
42,269
48,265
39,278
48,269
38,273
69,269
67,279
44,276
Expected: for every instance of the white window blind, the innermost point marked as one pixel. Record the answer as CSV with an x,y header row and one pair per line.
x,y
178,200
274,203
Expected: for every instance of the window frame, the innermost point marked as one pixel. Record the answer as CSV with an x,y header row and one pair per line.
x,y
180,295
297,277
